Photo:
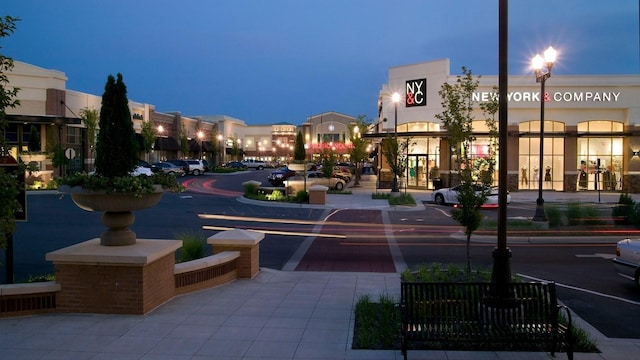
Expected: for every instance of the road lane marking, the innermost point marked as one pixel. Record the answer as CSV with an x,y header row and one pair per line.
x,y
584,290
596,255
275,232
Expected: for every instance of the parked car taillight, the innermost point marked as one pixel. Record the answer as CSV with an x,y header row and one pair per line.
x,y
617,251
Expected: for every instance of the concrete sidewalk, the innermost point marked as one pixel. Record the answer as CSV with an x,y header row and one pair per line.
x,y
277,315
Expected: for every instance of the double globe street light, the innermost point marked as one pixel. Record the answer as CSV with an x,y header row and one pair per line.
x,y
542,67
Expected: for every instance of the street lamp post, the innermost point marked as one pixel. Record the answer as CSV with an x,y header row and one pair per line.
x,y
541,77
221,155
396,99
160,130
200,136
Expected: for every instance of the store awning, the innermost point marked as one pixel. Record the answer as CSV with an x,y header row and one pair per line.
x,y
207,146
229,151
167,144
194,145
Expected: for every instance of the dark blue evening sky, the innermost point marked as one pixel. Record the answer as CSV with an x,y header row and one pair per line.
x,y
266,61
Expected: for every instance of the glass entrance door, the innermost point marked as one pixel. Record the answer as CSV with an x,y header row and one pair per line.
x,y
418,171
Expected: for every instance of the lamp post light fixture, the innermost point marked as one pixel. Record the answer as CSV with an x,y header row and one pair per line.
x,y
201,137
395,98
160,130
542,74
221,155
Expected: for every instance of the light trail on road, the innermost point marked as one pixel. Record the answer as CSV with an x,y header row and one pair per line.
x,y
402,227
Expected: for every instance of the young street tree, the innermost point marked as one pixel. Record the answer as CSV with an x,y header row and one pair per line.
x,y
299,153
90,119
392,152
149,135
184,141
9,188
358,150
216,146
457,102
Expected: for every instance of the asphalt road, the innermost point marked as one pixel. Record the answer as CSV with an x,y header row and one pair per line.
x,y
583,271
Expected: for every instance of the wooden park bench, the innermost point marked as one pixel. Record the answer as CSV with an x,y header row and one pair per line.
x,y
483,316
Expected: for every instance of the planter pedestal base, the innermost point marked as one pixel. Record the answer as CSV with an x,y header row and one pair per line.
x,y
118,232
133,279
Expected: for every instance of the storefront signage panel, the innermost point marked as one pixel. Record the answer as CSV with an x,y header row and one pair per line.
x,y
559,96
415,93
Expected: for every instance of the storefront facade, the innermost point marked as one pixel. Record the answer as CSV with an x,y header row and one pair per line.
x,y
591,129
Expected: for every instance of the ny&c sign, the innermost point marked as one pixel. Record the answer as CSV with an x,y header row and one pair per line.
x,y
416,93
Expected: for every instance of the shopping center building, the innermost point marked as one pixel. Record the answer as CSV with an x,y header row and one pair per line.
x,y
591,137
588,121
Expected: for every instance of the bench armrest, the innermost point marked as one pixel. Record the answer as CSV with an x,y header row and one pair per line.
x,y
569,339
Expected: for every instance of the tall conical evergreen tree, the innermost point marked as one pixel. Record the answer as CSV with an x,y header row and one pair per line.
x,y
299,153
116,149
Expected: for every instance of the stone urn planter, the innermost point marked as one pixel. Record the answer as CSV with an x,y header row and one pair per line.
x,y
118,210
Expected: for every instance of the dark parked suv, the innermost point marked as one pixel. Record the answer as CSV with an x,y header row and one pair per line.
x,y
278,177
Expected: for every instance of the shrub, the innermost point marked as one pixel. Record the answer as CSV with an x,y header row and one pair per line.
x,y
251,188
378,195
634,215
554,216
192,246
623,210
591,216
378,324
574,213
403,199
276,195
436,272
302,196
41,278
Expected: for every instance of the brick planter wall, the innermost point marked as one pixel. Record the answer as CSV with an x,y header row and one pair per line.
x,y
132,279
246,242
115,289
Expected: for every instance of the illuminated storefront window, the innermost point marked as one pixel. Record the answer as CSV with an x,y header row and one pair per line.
x,y
529,156
482,155
424,155
599,155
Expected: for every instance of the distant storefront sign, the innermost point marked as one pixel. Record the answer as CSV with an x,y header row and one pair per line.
x,y
558,96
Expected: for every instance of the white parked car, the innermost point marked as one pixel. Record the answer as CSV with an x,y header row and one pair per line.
x,y
450,195
196,166
141,170
627,260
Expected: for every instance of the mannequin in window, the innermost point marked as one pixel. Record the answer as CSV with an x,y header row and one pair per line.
x,y
613,179
535,173
547,174
582,177
606,178
523,176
